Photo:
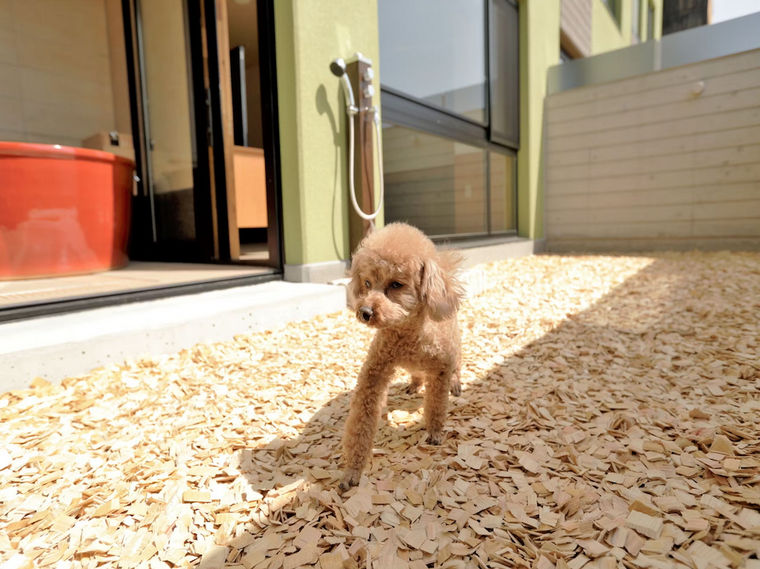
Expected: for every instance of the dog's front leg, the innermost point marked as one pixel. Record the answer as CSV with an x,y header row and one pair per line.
x,y
361,424
435,403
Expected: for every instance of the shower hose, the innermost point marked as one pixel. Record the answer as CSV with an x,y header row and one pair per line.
x,y
379,152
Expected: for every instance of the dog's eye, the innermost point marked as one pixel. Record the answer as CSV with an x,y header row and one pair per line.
x,y
396,284
366,283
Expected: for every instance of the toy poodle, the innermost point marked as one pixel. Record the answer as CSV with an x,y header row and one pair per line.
x,y
407,290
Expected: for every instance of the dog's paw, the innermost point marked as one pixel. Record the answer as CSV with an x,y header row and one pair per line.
x,y
455,388
351,477
434,438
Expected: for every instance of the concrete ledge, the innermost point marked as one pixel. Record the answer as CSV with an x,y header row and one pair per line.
x,y
59,346
472,276
487,252
316,272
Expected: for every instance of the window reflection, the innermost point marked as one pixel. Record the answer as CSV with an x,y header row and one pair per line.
x,y
434,183
435,51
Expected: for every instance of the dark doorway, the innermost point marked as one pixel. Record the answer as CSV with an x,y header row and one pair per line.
x,y
204,104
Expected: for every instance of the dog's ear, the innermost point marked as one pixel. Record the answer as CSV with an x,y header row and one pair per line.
x,y
440,290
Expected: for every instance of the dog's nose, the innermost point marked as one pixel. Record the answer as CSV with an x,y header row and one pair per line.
x,y
366,313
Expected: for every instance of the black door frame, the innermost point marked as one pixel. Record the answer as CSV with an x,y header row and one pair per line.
x,y
202,16
270,124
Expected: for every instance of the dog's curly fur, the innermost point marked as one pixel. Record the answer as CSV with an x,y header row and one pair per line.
x,y
406,289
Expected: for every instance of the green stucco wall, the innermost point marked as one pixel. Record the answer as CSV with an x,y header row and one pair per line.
x,y
539,50
309,35
606,33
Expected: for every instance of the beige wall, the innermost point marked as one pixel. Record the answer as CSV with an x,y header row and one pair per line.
x,y
663,160
117,59
57,83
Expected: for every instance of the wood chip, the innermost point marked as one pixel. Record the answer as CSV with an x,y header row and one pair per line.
x,y
306,556
722,445
308,536
644,524
705,556
331,561
593,548
196,496
633,543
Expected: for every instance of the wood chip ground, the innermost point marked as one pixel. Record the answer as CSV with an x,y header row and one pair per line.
x,y
609,419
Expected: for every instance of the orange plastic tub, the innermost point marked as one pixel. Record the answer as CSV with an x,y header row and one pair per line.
x,y
63,210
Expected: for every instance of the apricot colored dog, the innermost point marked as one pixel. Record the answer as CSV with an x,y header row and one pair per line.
x,y
406,289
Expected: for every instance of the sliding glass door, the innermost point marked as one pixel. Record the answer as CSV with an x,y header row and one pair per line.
x,y
176,217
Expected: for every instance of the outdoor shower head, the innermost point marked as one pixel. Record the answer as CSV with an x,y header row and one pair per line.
x,y
338,67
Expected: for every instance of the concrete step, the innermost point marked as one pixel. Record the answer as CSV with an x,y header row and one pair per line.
x,y
59,346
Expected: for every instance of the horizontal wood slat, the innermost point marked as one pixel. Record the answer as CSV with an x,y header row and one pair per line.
x,y
655,114
695,142
707,86
671,156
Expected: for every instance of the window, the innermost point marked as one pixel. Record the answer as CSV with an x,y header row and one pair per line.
x,y
450,114
505,111
442,61
502,178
